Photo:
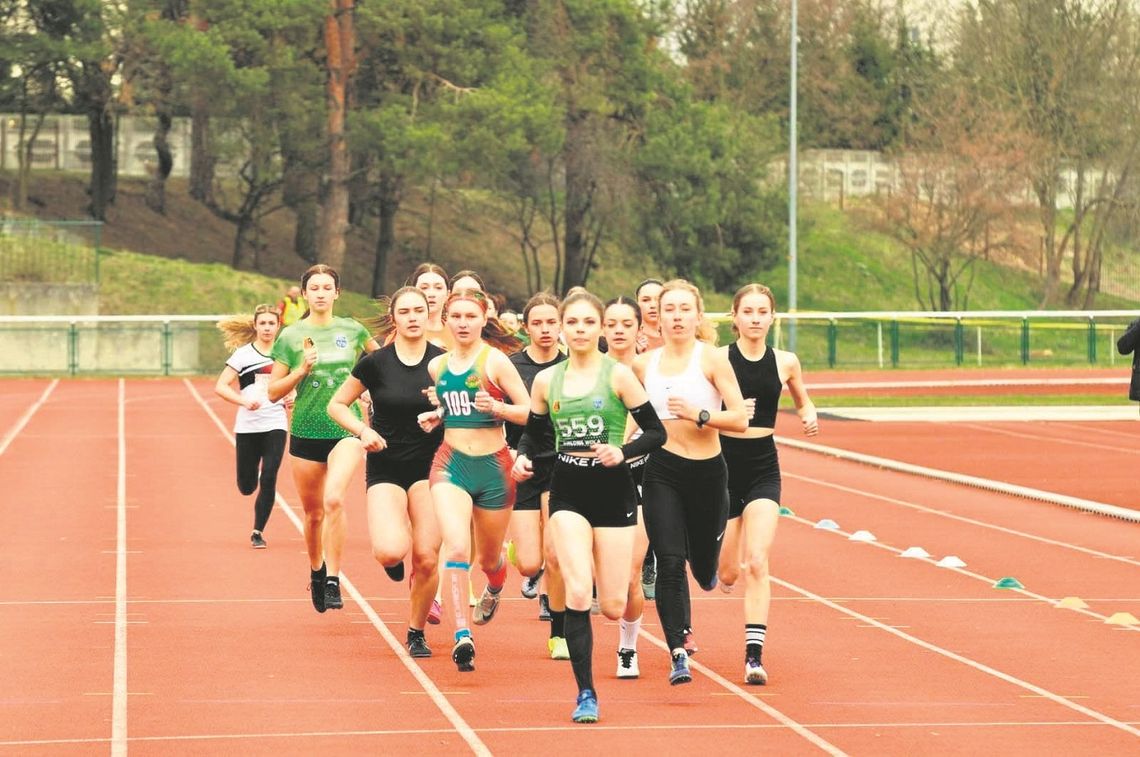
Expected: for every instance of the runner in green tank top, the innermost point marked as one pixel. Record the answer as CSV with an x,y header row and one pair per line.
x,y
314,356
592,499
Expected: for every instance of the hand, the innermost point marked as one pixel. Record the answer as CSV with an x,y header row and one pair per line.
x,y
429,420
372,441
251,404
811,424
641,343
608,455
289,399
310,355
523,468
682,409
484,402
431,395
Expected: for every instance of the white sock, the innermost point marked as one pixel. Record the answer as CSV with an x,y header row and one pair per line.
x,y
628,632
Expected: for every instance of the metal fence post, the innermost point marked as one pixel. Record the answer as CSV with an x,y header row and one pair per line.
x,y
894,344
72,348
832,338
959,342
167,348
1025,341
1092,340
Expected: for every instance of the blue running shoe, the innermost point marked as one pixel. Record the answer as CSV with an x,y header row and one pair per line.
x,y
680,671
587,709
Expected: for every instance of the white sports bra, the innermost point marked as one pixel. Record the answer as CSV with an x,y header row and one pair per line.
x,y
690,385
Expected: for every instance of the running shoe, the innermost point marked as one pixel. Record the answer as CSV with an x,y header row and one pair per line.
x,y
395,572
627,664
317,588
463,654
256,541
543,607
754,672
471,600
513,556
679,673
558,648
435,613
417,646
530,585
587,709
691,647
595,608
485,609
649,579
333,599
727,588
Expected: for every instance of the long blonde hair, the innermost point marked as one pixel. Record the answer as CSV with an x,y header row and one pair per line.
x,y
706,331
240,330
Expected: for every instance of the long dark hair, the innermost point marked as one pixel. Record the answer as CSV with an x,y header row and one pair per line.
x,y
315,270
384,324
463,273
423,268
622,299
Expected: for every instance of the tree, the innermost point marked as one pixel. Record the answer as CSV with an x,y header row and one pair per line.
x,y
340,64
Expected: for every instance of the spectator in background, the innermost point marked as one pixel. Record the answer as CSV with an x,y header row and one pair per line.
x,y
1129,344
291,307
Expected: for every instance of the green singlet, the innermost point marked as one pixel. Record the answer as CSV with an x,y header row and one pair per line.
x,y
597,417
338,345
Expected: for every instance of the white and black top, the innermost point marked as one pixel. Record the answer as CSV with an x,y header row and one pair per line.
x,y
690,384
253,371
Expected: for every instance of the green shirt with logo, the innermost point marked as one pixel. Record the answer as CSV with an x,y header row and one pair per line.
x,y
597,417
339,344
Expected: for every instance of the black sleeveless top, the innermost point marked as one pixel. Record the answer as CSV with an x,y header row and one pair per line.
x,y
759,379
528,369
397,400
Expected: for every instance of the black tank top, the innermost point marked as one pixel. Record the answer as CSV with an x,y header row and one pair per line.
x,y
528,369
759,379
397,399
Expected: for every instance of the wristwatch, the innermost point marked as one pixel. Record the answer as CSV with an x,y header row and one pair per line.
x,y
703,418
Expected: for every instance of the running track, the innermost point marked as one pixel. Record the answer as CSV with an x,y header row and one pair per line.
x,y
137,618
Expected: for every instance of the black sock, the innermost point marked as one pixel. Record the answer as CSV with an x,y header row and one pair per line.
x,y
557,623
318,574
580,641
414,633
754,634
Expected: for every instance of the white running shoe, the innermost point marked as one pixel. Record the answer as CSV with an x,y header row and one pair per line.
x,y
754,672
627,664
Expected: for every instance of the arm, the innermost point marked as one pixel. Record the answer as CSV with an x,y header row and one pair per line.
x,y
430,419
503,373
805,408
537,438
1130,339
340,411
224,389
633,396
282,380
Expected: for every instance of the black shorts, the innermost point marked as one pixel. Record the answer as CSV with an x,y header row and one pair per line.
x,y
528,494
316,450
605,497
383,468
637,471
753,471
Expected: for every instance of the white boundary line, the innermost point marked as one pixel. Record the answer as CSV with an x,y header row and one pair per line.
x,y
1057,698
947,383
963,519
1076,503
119,685
438,698
764,707
989,429
27,416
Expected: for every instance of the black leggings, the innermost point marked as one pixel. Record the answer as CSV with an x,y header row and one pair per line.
x,y
266,448
686,510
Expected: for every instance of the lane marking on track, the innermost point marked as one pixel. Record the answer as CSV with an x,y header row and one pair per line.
x,y
671,726
22,421
961,518
438,698
1098,430
986,484
947,384
969,573
1053,439
1031,687
119,676
787,722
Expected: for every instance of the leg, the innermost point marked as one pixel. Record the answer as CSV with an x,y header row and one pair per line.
x,y
613,556
273,451
388,526
706,520
526,533
425,553
573,542
728,570
248,453
665,523
309,479
759,531
555,587
343,461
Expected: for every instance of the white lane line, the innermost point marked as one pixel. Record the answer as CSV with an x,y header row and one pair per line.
x,y
932,561
1052,439
767,709
1031,687
119,685
956,383
961,518
437,697
27,416
645,727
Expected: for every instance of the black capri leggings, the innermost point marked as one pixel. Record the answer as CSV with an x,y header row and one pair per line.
x,y
266,448
686,510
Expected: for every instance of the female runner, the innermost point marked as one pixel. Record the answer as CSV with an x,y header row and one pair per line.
x,y
260,426
593,505
400,512
431,279
542,321
314,356
753,466
470,475
686,483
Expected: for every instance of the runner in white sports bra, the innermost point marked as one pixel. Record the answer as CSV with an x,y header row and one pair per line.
x,y
686,482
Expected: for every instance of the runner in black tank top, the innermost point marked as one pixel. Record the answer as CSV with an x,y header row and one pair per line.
x,y
401,518
753,466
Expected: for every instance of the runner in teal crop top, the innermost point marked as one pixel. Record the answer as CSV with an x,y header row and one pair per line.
x,y
456,392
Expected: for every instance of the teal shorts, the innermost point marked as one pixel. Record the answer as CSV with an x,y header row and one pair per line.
x,y
487,478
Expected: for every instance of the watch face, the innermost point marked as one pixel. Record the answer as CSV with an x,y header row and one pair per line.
x,y
703,417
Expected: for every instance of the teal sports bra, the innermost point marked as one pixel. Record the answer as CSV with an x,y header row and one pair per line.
x,y
456,392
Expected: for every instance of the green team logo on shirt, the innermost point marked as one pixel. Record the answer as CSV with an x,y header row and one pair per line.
x,y
473,381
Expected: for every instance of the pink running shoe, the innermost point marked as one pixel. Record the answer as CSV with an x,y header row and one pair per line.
x,y
435,613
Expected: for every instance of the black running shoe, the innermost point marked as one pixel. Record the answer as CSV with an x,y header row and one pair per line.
x,y
333,600
417,646
395,572
463,654
317,587
256,541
